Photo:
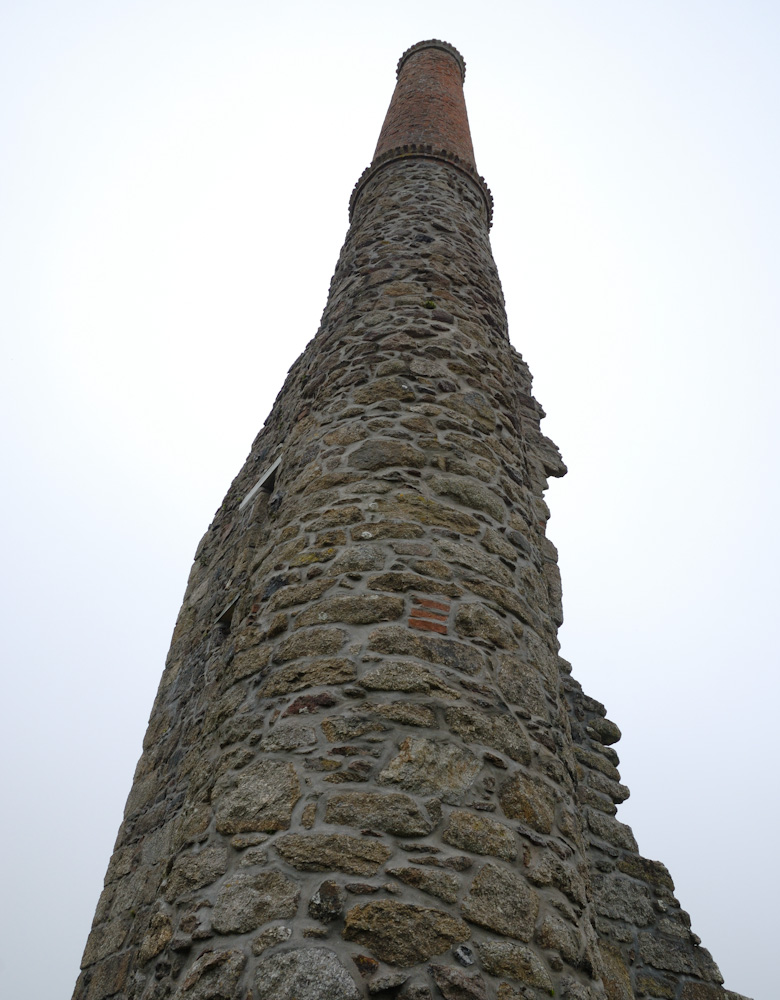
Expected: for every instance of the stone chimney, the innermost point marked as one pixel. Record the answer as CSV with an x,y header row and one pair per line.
x,y
368,773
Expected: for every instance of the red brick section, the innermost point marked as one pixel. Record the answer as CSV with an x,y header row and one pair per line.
x,y
428,107
429,616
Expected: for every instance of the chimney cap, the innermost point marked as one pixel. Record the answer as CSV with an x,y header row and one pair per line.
x,y
434,43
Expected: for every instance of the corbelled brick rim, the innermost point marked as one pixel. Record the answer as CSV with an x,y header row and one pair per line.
x,y
434,43
417,151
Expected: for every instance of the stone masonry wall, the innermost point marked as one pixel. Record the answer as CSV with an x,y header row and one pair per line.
x,y
367,771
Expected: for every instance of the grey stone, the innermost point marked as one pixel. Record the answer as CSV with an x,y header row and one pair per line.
x,y
505,958
500,900
432,768
214,976
481,834
325,852
454,984
403,934
261,797
246,901
269,938
327,903
193,871
304,974
390,811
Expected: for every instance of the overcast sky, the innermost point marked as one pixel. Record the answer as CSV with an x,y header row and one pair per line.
x,y
174,181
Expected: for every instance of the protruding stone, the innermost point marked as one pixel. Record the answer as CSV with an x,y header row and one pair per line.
x,y
327,903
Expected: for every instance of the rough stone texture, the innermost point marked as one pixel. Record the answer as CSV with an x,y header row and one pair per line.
x,y
402,933
454,984
247,901
504,958
363,701
304,974
500,900
392,812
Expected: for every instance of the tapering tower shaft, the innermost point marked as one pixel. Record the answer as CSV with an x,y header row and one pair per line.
x,y
367,771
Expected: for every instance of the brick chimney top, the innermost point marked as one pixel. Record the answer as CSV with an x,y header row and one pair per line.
x,y
427,115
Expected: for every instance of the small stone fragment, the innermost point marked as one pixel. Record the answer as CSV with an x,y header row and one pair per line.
x,y
270,937
327,903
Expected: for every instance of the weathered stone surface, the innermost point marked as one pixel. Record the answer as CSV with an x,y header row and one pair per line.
x,y
269,938
455,984
338,728
623,899
432,768
288,736
616,975
312,642
477,621
611,830
436,883
522,685
214,976
193,871
496,732
505,958
501,900
407,678
652,872
246,901
327,903
362,609
556,934
379,454
670,954
388,981
325,852
158,934
401,933
479,833
448,652
406,712
304,974
469,493
528,799
298,676
427,511
260,797
392,812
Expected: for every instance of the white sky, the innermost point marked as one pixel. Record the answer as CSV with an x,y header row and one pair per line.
x,y
174,179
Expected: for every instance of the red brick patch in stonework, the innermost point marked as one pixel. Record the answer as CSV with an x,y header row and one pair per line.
x,y
429,616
